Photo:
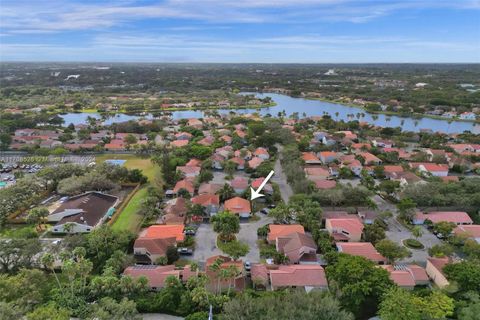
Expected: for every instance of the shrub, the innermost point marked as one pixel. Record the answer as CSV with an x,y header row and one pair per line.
x,y
414,244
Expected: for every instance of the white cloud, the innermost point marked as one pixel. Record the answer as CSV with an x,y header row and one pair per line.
x,y
47,16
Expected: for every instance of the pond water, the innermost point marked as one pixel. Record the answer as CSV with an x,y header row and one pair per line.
x,y
304,107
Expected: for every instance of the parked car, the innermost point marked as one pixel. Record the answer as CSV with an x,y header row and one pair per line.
x,y
272,206
264,211
248,265
185,251
190,232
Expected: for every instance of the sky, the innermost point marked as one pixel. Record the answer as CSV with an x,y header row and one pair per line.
x,y
241,31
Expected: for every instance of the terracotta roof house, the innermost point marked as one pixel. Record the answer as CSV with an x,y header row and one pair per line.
x,y
194,122
282,230
238,206
391,168
115,145
471,231
179,143
210,202
255,162
324,184
407,276
217,161
184,184
239,184
261,153
147,250
308,277
362,249
226,139
434,270
174,211
82,213
344,229
162,231
194,163
327,156
155,275
247,155
266,189
437,170
183,136
317,172
457,217
189,171
260,276
240,162
209,188
298,247
370,159
207,141
238,283
310,158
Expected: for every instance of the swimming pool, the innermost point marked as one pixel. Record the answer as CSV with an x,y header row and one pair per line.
x,y
116,162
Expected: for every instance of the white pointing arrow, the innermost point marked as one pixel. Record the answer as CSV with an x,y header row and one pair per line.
x,y
256,194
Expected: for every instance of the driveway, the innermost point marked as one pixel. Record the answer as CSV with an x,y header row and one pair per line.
x,y
248,235
281,179
397,232
205,243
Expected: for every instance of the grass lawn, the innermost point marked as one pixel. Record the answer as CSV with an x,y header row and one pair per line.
x,y
129,218
133,162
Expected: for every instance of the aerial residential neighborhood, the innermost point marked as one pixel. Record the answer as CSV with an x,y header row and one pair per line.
x,y
240,160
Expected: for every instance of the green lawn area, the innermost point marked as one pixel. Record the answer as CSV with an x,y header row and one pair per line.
x,y
129,218
133,162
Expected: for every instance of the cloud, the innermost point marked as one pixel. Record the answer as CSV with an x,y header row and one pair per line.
x,y
57,16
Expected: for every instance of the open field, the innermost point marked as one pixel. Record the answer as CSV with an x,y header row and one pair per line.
x,y
129,218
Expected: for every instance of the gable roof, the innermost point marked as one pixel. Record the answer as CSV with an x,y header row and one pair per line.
x,y
155,275
363,249
292,245
298,275
155,246
279,230
164,231
472,230
448,216
351,225
184,184
206,199
237,205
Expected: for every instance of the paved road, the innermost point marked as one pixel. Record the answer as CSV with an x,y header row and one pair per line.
x,y
248,235
205,240
205,246
398,232
281,179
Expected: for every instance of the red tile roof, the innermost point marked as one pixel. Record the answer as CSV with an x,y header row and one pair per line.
x,y
468,230
184,184
457,217
155,275
363,249
237,205
206,200
279,230
162,231
298,275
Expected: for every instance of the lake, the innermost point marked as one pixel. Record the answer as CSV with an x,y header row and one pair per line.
x,y
305,107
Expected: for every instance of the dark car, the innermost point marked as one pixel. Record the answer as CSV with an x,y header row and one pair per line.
x,y
185,251
190,232
272,206
264,211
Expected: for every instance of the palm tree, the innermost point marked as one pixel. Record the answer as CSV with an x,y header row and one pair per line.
x,y
417,232
68,227
49,262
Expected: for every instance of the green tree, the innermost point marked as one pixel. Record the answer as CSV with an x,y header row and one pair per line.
x,y
406,207
288,306
235,249
445,228
417,232
226,224
108,308
226,192
374,233
49,312
465,273
281,213
130,139
358,281
440,250
391,250
37,216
